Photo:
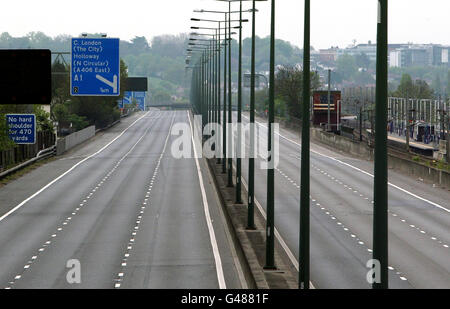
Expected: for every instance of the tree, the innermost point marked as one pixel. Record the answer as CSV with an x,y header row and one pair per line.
x,y
347,67
362,61
423,90
261,100
406,87
5,141
140,45
418,89
161,96
43,121
437,85
289,87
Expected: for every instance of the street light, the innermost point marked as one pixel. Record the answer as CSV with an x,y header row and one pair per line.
x,y
304,246
239,120
217,72
230,161
224,134
239,103
215,20
213,87
251,163
270,226
214,76
205,79
380,215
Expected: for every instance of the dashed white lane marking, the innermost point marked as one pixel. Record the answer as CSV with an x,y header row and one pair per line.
x,y
283,244
412,226
68,171
135,230
59,229
361,171
338,223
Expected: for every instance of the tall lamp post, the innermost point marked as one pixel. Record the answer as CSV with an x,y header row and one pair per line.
x,y
270,227
215,75
230,160
239,103
251,161
228,34
218,77
206,80
205,74
304,247
380,215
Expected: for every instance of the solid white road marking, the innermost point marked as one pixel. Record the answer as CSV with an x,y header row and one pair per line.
x,y
215,247
362,171
67,172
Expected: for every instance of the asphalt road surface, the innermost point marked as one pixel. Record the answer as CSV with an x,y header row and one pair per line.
x,y
123,211
342,214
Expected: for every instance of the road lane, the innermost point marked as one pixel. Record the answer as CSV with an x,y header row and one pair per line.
x,y
345,199
91,215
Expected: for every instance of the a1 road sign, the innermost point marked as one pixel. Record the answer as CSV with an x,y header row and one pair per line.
x,y
22,128
95,67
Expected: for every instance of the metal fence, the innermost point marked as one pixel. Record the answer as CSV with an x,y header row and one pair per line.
x,y
21,153
427,120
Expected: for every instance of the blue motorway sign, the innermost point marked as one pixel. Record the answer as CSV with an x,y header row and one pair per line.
x,y
22,128
127,97
137,96
95,67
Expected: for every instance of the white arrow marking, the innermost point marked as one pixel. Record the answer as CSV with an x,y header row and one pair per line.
x,y
112,84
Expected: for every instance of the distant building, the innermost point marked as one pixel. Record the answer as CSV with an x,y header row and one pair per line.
x,y
369,49
328,55
400,55
419,55
406,57
440,55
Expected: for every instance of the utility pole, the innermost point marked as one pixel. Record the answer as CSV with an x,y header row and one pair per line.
x,y
329,100
408,127
360,123
447,114
380,216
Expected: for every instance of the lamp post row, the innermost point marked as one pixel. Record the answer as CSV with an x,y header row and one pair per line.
x,y
209,98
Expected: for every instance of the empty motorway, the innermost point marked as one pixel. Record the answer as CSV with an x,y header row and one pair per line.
x,y
342,214
123,211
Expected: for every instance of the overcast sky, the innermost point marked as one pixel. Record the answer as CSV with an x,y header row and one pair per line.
x,y
334,22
